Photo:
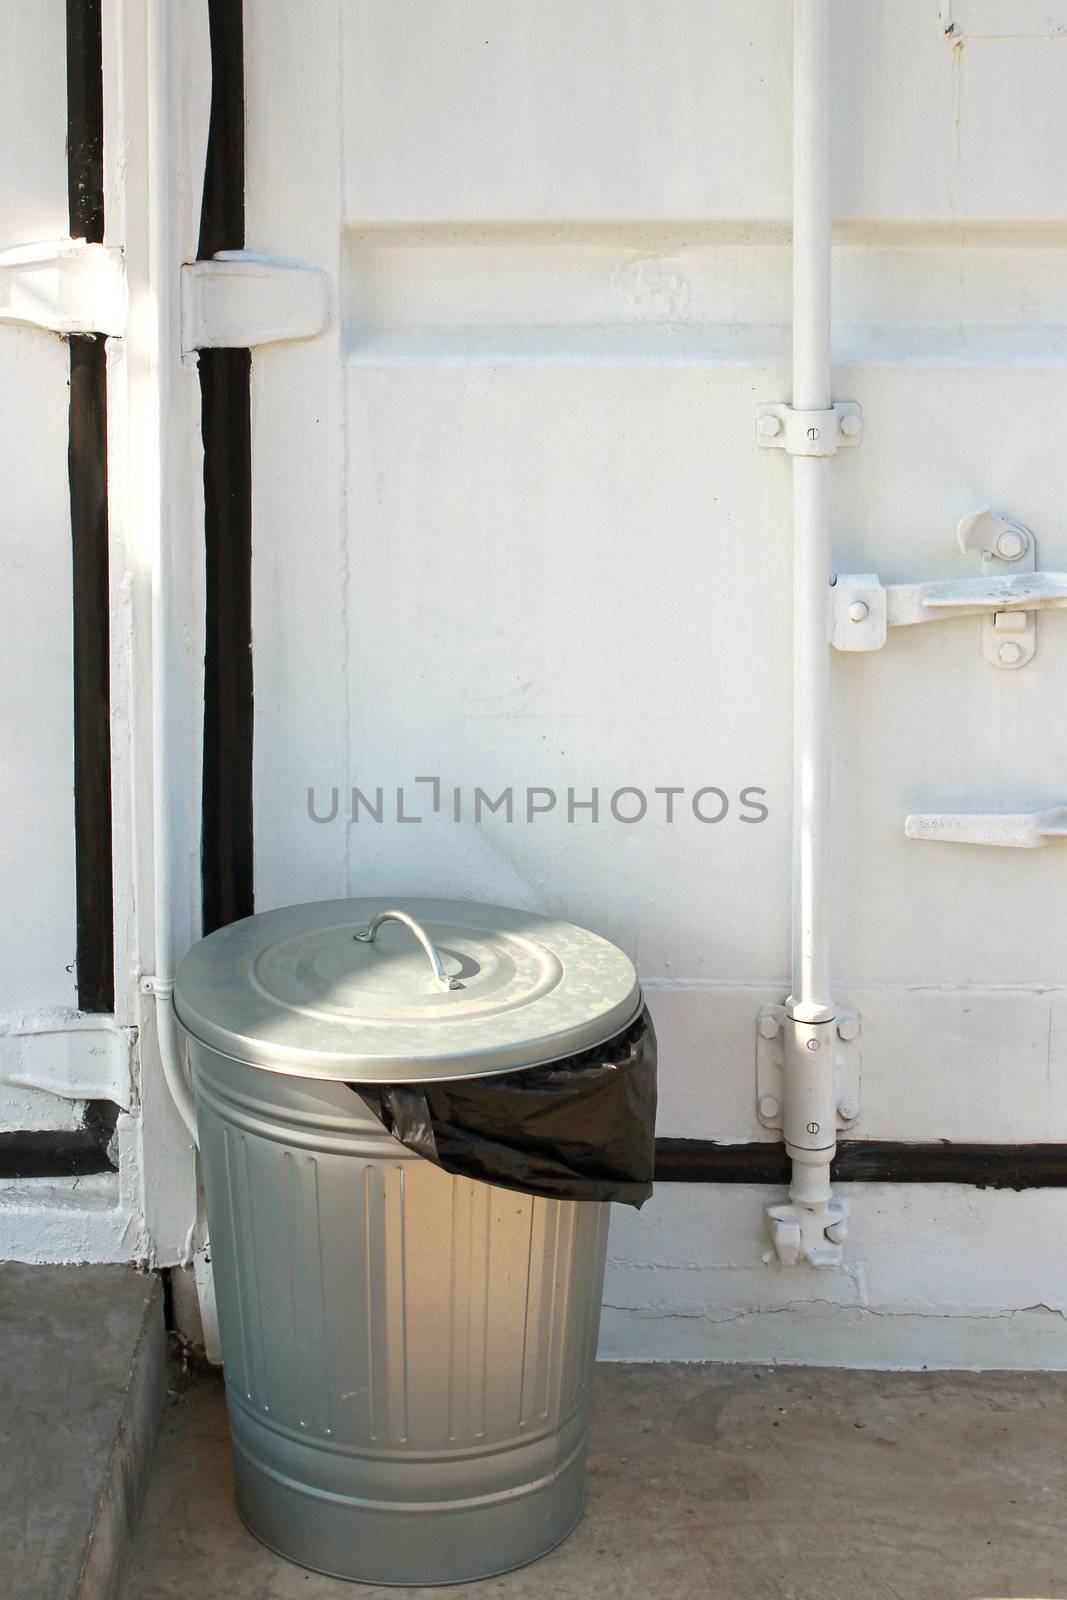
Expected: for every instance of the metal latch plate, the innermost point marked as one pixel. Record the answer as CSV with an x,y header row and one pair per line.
x,y
1024,830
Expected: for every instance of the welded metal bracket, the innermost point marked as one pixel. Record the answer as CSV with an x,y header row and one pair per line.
x,y
1006,595
808,433
1025,830
770,1067
239,299
64,285
74,1055
814,1234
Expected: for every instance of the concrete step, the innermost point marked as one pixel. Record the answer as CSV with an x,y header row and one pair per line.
x,y
83,1363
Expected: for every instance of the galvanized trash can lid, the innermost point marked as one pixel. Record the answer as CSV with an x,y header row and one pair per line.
x,y
386,990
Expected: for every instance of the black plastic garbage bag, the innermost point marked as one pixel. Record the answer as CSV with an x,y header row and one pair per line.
x,y
578,1129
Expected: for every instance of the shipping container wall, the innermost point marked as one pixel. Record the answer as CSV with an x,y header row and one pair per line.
x,y
513,537
521,618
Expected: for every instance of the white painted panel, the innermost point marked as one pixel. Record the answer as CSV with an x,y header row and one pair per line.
x,y
679,109
926,724
928,127
542,613
300,553
37,946
564,108
1004,19
935,1276
681,293
968,1064
512,528
33,121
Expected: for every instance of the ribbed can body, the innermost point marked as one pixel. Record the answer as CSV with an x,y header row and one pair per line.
x,y
408,1354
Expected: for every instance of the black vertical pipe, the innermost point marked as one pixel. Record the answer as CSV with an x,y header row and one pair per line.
x,y
225,392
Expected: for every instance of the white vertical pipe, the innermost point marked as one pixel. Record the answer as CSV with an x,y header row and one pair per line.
x,y
810,1000
809,1117
160,473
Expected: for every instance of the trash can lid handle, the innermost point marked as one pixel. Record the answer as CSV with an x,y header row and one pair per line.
x,y
366,936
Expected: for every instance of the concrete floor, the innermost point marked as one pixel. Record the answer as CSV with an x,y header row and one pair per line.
x,y
717,1483
83,1360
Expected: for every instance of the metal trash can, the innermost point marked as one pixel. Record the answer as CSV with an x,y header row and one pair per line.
x,y
407,1353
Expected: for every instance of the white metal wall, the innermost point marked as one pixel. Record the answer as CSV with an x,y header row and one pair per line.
x,y
53,1058
36,777
511,527
38,986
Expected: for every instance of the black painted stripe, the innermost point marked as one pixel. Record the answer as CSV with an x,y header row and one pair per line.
x,y
225,392
87,470
228,686
85,121
222,213
77,1154
94,876
981,1166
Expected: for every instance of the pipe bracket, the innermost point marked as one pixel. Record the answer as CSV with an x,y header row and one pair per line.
x,y
770,1068
809,433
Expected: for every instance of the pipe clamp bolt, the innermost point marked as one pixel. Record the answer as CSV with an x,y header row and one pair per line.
x,y
1011,544
859,611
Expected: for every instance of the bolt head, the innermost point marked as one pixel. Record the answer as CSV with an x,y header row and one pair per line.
x,y
768,1106
769,1028
1011,544
848,1107
851,425
769,425
859,611
1010,653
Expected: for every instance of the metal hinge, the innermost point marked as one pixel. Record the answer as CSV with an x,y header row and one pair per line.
x,y
809,433
65,285
1006,595
237,299
240,299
